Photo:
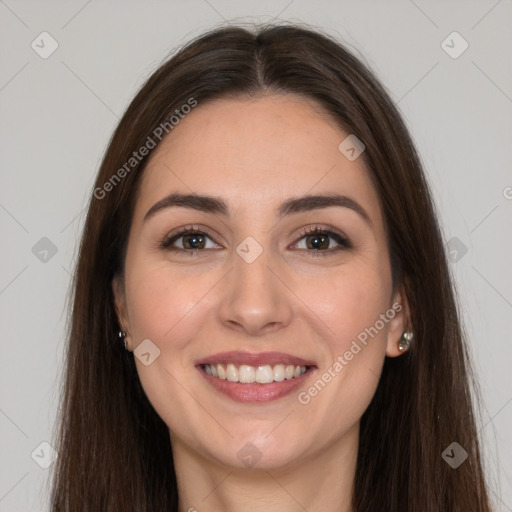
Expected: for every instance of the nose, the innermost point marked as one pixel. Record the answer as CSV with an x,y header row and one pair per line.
x,y
255,298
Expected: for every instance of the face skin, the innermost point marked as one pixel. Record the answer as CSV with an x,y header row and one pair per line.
x,y
293,298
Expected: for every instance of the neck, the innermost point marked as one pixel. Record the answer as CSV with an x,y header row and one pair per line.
x,y
322,481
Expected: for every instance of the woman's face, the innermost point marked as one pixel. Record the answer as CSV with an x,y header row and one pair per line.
x,y
251,287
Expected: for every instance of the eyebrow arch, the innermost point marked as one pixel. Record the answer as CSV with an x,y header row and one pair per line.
x,y
216,205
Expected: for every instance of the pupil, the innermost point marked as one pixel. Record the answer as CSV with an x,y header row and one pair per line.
x,y
197,240
316,239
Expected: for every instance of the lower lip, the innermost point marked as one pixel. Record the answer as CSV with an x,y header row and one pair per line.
x,y
250,393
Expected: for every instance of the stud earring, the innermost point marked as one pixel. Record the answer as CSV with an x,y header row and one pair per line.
x,y
122,336
405,341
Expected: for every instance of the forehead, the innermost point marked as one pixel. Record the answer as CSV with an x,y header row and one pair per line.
x,y
255,153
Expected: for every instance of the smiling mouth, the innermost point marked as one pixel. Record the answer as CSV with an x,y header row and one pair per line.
x,y
261,374
252,377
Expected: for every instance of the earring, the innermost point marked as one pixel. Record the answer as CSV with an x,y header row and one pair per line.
x,y
405,341
122,336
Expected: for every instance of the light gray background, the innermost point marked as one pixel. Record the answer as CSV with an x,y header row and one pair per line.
x,y
57,115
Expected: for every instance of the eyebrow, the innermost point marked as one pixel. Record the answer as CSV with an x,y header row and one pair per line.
x,y
218,206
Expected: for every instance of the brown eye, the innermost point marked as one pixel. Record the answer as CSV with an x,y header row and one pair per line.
x,y
189,240
193,241
324,241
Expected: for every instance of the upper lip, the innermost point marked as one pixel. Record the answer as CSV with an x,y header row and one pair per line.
x,y
254,359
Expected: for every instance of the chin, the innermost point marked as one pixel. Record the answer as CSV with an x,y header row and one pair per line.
x,y
255,452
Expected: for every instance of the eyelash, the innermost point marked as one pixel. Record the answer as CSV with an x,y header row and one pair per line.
x,y
344,243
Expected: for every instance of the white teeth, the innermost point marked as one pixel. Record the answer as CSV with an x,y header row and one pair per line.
x,y
264,374
246,374
231,373
279,372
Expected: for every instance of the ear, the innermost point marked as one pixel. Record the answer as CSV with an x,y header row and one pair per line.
x,y
400,323
120,304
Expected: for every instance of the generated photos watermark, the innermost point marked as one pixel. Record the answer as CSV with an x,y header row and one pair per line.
x,y
304,397
137,156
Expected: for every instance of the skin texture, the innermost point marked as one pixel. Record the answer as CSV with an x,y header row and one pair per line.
x,y
255,154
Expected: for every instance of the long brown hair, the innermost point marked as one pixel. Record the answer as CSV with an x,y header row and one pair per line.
x,y
114,450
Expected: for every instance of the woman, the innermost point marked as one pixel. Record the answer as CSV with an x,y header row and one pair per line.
x,y
263,314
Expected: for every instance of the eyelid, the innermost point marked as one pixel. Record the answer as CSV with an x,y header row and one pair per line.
x,y
322,228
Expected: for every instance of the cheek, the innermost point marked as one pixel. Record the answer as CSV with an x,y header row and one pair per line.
x,y
163,306
350,302
159,298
